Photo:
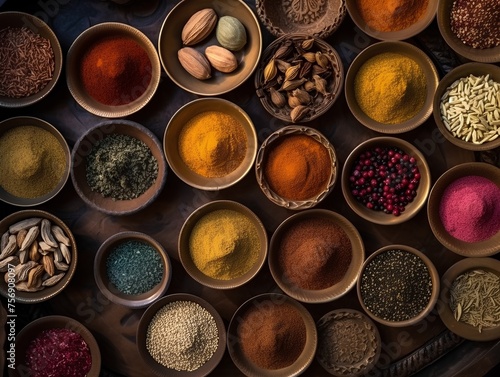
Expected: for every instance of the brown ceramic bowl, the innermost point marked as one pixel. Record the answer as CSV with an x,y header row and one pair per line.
x,y
320,103
399,35
83,147
275,138
434,294
20,121
33,329
79,48
281,18
379,217
177,123
184,252
487,55
397,47
35,24
462,71
461,328
160,370
169,42
47,292
248,367
323,295
110,291
485,248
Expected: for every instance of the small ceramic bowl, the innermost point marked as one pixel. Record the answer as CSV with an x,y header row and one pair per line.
x,y
34,329
484,248
401,48
68,269
175,127
74,59
434,276
266,302
184,249
461,328
463,71
406,33
146,319
487,55
380,217
281,18
10,124
82,149
322,295
274,139
288,50
170,42
110,291
37,26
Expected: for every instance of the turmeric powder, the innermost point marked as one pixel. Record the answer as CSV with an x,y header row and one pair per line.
x,y
213,144
390,88
224,244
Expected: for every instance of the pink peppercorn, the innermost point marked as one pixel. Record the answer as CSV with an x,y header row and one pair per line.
x,y
470,209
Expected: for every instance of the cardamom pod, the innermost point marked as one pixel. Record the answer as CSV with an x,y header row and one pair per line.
x,y
199,26
298,113
282,65
195,63
292,72
320,84
302,95
309,86
277,98
307,43
270,71
293,102
284,50
317,70
321,60
305,69
310,57
292,84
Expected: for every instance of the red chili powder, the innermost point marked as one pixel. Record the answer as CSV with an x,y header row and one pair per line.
x,y
470,209
58,352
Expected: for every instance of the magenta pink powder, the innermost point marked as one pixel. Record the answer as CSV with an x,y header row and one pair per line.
x,y
470,209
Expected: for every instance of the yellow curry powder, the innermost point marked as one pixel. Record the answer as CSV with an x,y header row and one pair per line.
x,y
224,244
390,88
213,144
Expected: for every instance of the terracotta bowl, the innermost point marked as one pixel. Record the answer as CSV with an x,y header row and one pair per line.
x,y
405,49
20,121
169,42
110,291
35,24
83,147
484,248
47,292
323,295
184,250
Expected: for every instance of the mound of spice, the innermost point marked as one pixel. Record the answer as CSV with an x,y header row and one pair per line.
x,y
396,285
315,253
391,15
272,335
474,298
182,336
121,167
27,62
58,352
385,179
224,244
476,22
115,70
297,167
134,267
213,144
470,208
33,161
390,88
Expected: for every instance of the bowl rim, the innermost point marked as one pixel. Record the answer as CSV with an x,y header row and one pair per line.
x,y
308,352
424,185
145,320
106,288
292,130
77,49
484,248
193,219
14,122
328,294
33,21
433,275
401,48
